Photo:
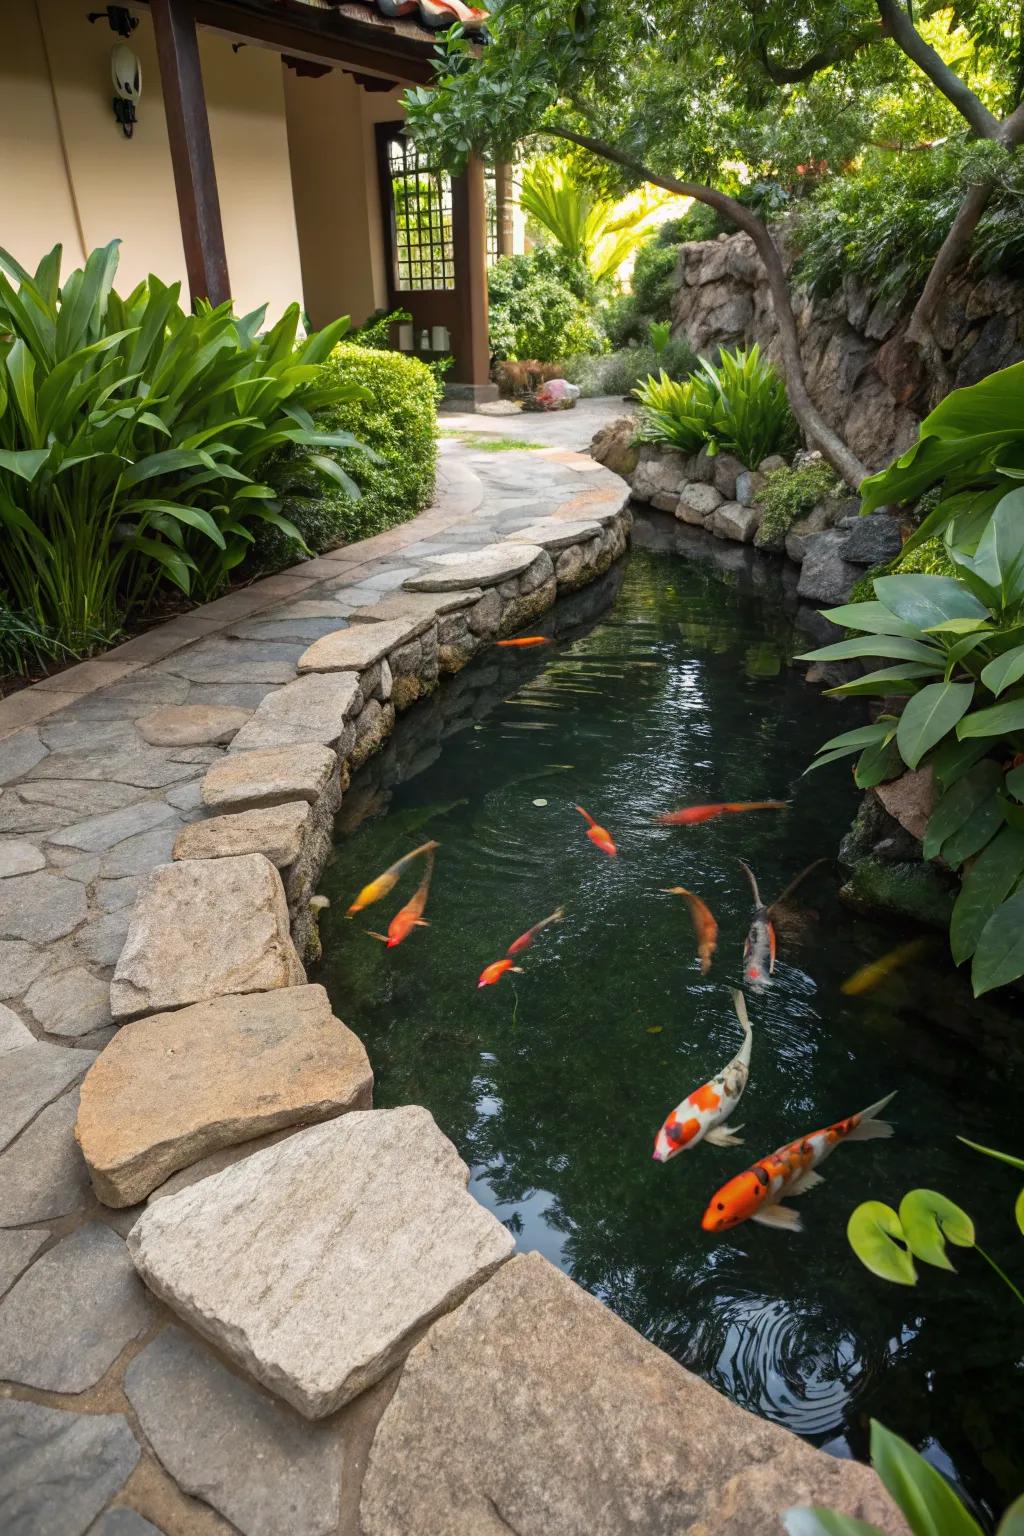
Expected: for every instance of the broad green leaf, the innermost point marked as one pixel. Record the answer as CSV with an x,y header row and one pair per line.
x,y
1018,1210
831,757
1000,1157
977,831
876,764
999,557
870,618
164,463
999,956
1012,1523
928,716
862,736
813,1520
925,600
896,646
24,462
21,370
894,680
961,627
952,760
994,874
959,803
334,472
1006,669
930,1506
997,720
1014,782
876,1236
961,649
929,1221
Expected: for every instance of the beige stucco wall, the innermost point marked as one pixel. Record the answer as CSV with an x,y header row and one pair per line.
x,y
55,86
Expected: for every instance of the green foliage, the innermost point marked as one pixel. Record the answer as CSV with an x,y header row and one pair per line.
x,y
25,648
790,493
620,373
654,276
660,332
681,415
375,331
534,312
740,405
591,232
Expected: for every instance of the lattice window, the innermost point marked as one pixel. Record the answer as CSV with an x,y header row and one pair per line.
x,y
491,204
421,200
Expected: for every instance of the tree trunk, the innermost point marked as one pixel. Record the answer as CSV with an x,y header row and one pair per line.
x,y
816,428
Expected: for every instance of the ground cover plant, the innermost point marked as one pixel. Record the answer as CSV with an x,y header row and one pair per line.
x,y
789,493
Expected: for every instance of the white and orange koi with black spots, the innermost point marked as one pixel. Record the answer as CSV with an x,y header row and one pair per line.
x,y
700,1116
756,1194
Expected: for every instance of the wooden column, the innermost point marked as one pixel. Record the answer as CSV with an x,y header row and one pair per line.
x,y
469,241
188,129
503,206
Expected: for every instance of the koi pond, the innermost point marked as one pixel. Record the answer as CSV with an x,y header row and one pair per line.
x,y
668,685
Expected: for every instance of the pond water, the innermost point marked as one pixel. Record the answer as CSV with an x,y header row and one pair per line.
x,y
553,1084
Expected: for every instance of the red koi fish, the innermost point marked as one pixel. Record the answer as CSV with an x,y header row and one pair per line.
x,y
699,1116
379,888
756,1194
704,925
411,915
598,836
690,815
760,943
495,971
526,939
522,640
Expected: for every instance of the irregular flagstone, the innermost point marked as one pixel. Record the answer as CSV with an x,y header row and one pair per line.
x,y
421,608
251,779
534,1409
312,1264
173,1087
85,796
13,1033
205,928
19,858
69,1317
143,767
58,1470
98,833
311,709
17,1250
20,964
32,1077
40,907
481,568
188,725
70,1003
224,1441
122,1521
555,533
277,831
43,1175
137,855
19,753
234,661
101,941
357,647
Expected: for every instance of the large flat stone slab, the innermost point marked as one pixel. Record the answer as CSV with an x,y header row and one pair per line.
x,y
13,1033
191,725
58,1470
70,1003
357,647
243,781
122,1521
40,907
43,1175
481,568
276,831
98,833
312,709
205,928
555,533
31,1077
314,1263
223,1441
68,1318
419,607
18,857
534,1409
17,1250
172,1088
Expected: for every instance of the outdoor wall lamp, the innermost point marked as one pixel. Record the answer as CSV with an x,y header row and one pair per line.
x,y
120,18
126,73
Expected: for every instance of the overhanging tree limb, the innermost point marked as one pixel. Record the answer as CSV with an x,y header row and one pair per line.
x,y
905,35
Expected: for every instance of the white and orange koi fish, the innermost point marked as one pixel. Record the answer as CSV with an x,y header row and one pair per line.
x,y
757,1194
760,943
699,1117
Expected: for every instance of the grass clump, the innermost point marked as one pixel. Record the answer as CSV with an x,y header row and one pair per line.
x,y
789,494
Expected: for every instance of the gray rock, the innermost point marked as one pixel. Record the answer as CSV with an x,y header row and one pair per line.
x,y
558,1417
43,1175
374,726
873,540
733,521
223,1441
727,468
697,501
314,708
13,1033
20,964
17,1250
185,797
174,1087
143,767
481,568
418,608
19,858
748,486
205,928
234,661
32,1077
276,831
296,1262
773,461
555,533
806,528
122,1521
86,797
243,781
70,1002
58,1470
40,907
117,894
189,725
358,647
65,1322
101,941
19,753
825,577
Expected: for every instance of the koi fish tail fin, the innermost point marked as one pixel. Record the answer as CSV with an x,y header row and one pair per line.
x,y
739,1002
869,1127
781,1216
370,933
791,887
421,922
718,1136
586,816
557,915
753,883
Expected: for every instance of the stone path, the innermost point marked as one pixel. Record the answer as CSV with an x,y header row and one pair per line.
x,y
164,814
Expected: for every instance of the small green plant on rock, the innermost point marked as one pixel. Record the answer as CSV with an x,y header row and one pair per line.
x,y
790,493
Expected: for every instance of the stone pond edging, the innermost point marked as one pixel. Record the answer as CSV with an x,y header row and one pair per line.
x,y
361,1312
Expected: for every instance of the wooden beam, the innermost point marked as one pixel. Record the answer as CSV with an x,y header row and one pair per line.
x,y
469,248
323,37
188,129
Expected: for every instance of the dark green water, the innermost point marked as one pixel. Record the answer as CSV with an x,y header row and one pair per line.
x,y
553,1084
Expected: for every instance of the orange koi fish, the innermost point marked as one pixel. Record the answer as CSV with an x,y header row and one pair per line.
x,y
379,888
690,815
411,915
760,943
756,1194
526,939
699,1116
495,971
598,836
704,925
522,640
876,971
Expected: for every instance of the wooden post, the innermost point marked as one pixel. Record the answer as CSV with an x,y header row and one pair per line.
x,y
469,242
503,206
188,129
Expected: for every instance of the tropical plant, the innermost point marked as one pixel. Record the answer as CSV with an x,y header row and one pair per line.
x,y
534,313
133,437
679,414
789,493
660,332
930,1505
739,405
595,233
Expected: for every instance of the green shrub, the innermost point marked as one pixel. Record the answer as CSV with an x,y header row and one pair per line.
x,y
788,494
375,331
534,312
622,322
654,277
680,415
739,405
619,373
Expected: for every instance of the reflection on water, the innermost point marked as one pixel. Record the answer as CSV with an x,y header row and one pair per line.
x,y
669,684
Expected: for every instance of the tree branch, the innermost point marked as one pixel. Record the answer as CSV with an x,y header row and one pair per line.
x,y
794,74
806,412
906,36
